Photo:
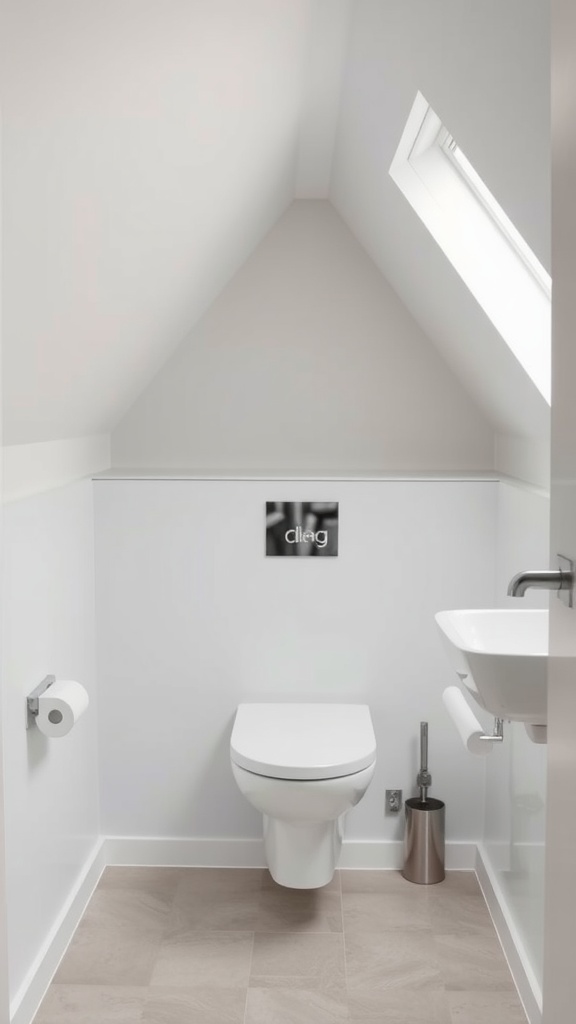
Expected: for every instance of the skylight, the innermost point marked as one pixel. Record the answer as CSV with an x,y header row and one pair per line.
x,y
478,238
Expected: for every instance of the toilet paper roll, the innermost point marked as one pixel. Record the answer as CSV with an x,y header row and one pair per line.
x,y
60,707
465,720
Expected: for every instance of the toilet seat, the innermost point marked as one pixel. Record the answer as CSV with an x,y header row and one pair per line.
x,y
303,741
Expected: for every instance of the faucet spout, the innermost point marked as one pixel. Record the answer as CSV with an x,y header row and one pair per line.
x,y
544,579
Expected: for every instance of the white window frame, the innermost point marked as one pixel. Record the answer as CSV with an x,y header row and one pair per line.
x,y
478,238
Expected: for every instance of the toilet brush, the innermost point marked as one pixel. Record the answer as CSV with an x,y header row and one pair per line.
x,y
424,835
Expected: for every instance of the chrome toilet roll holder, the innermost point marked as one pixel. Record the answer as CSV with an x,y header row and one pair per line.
x,y
498,734
32,705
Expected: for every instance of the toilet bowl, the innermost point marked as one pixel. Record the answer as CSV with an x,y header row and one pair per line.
x,y
303,766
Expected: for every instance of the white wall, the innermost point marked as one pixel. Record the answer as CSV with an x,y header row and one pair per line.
x,y
193,618
307,360
514,827
50,785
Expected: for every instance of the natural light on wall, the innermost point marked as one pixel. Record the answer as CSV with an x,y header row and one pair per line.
x,y
478,238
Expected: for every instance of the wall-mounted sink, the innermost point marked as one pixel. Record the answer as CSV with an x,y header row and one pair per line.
x,y
501,658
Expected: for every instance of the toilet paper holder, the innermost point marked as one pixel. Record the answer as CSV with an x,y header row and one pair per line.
x,y
498,735
32,706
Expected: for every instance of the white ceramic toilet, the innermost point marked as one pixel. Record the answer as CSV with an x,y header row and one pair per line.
x,y
303,766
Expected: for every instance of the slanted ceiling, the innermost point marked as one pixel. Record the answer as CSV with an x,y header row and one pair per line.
x,y
149,147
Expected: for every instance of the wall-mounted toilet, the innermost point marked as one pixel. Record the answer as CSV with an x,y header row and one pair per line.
x,y
303,766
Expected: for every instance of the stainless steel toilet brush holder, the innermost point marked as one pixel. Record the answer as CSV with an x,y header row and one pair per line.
x,y
424,838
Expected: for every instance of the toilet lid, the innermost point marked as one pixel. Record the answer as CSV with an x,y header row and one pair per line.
x,y
303,741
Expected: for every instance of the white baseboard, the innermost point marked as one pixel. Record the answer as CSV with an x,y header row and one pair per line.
x,y
376,854
31,992
249,853
191,853
526,982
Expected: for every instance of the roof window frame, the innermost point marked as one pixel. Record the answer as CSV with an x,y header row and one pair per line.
x,y
478,238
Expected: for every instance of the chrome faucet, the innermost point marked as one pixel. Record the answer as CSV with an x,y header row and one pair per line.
x,y
545,579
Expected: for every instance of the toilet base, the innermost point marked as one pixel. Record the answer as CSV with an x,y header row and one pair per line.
x,y
303,821
302,854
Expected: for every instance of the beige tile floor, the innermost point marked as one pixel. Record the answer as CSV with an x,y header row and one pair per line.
x,y
227,946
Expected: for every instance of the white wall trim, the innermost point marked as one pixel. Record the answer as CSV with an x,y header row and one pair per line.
x,y
249,853
33,468
529,989
177,852
387,855
31,992
134,474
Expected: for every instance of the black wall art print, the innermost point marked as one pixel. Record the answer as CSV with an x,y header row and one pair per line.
x,y
302,528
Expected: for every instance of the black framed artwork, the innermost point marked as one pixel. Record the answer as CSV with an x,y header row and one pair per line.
x,y
302,528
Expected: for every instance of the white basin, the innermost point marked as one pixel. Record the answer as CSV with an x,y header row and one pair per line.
x,y
501,658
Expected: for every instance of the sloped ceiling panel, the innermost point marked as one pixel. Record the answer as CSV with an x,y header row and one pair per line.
x,y
148,147
484,68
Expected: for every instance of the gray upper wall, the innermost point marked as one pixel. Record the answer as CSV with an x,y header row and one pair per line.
x,y
308,361
149,149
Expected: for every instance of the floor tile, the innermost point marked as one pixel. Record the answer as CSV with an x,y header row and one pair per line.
x,y
199,1005
473,961
207,958
227,911
308,960
314,910
294,1006
406,1007
458,881
486,1008
128,910
114,946
458,911
378,964
376,881
117,940
378,912
208,880
91,1004
157,881
107,960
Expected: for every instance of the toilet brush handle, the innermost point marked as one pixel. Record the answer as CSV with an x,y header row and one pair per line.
x,y
424,779
423,746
